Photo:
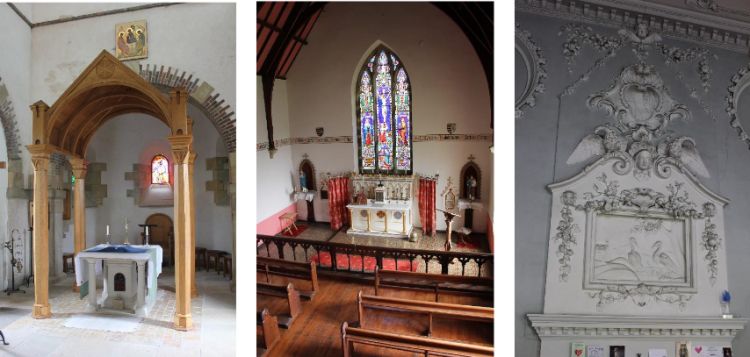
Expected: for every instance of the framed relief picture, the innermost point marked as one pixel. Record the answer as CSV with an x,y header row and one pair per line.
x,y
131,40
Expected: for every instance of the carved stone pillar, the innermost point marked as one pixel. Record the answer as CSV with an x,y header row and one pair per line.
x,y
79,207
40,156
183,187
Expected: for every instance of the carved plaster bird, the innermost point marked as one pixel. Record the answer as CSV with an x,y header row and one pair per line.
x,y
683,149
634,258
664,259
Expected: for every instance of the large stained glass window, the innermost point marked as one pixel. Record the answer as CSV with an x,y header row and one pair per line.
x,y
159,170
384,115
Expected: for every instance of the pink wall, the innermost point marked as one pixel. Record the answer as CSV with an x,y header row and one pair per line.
x,y
271,225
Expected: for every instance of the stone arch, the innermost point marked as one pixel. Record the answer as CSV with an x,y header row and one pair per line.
x,y
104,90
201,94
8,121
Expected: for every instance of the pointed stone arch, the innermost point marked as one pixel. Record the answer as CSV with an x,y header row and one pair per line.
x,y
106,89
8,121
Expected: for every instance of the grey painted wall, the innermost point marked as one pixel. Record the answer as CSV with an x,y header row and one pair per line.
x,y
549,132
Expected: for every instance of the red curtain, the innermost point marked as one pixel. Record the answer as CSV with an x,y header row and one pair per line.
x,y
338,197
427,206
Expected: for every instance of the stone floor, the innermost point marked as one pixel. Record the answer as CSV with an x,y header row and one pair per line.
x,y
213,333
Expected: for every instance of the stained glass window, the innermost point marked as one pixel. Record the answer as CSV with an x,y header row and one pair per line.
x,y
160,170
384,115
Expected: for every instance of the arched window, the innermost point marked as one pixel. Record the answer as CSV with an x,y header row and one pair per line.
x,y
159,170
384,115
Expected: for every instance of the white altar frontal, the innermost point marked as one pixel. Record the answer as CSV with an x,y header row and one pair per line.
x,y
129,274
388,210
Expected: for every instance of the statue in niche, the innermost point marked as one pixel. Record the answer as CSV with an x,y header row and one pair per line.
x,y
470,181
302,181
471,188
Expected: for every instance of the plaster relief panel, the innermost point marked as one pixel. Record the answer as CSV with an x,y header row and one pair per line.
x,y
636,232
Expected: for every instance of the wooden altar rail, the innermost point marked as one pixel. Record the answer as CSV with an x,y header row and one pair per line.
x,y
444,259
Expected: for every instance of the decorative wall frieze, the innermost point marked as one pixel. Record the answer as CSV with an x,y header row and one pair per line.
x,y
701,28
348,139
605,326
640,295
536,73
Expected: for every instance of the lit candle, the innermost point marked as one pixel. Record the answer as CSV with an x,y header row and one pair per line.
x,y
108,229
146,230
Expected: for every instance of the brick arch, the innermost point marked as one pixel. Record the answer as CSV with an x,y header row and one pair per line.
x,y
201,94
8,121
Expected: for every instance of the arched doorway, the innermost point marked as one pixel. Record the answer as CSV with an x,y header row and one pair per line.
x,y
104,90
161,232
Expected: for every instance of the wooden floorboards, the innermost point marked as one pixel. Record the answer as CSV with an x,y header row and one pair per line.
x,y
317,330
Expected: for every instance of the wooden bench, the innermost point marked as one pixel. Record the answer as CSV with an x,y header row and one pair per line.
x,y
271,333
290,269
284,291
451,311
416,344
480,286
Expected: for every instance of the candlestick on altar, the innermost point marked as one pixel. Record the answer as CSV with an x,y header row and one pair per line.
x,y
448,222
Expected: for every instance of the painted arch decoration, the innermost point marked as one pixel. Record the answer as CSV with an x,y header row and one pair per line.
x,y
384,115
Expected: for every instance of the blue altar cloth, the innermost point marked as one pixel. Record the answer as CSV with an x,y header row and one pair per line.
x,y
119,248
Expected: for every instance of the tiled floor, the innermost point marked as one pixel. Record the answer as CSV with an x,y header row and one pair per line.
x,y
212,334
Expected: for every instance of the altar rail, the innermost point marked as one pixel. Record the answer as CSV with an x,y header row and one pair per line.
x,y
304,250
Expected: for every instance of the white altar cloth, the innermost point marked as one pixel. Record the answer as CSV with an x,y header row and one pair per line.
x,y
152,257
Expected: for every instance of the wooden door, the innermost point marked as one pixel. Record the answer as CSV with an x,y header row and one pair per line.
x,y
161,235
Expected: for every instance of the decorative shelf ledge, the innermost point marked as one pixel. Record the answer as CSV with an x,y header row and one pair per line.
x,y
608,326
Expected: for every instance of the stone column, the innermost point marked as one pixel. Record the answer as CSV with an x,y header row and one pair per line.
x,y
141,302
79,207
183,186
232,202
40,156
91,262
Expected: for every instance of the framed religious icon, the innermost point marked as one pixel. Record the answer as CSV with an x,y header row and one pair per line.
x,y
131,40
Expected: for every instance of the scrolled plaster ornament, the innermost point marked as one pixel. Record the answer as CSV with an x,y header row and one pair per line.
x,y
712,5
639,98
739,83
640,294
536,73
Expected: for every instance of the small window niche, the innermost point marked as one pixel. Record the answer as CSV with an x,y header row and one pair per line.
x,y
471,181
119,282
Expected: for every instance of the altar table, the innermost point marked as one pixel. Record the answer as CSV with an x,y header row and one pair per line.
x,y
385,219
131,265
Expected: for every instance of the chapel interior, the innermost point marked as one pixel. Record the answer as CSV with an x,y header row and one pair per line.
x,y
631,205
374,179
117,173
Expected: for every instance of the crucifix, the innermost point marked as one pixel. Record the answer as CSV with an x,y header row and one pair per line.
x,y
448,222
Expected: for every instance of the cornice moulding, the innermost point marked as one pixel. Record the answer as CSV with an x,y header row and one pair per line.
x,y
608,326
670,22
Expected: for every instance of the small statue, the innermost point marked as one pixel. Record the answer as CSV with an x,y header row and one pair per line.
x,y
471,187
302,181
683,350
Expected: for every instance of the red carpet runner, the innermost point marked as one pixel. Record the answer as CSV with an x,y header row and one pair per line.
x,y
342,262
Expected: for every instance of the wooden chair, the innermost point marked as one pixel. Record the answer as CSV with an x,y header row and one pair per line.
x,y
66,257
467,285
200,258
213,254
425,346
290,269
443,310
284,291
228,266
271,333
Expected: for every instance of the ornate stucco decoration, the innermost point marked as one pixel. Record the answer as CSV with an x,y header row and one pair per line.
x,y
740,82
535,62
712,5
641,38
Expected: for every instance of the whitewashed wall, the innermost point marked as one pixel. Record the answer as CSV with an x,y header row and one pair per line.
x,y
447,87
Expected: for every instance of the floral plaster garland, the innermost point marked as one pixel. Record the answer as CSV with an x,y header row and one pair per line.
x,y
640,295
565,234
711,242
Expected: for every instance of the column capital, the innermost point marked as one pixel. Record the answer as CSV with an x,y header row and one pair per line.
x,y
40,155
182,146
79,166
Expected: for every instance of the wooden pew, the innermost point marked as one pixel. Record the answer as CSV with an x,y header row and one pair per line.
x,y
288,292
290,269
480,286
271,333
417,344
450,311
